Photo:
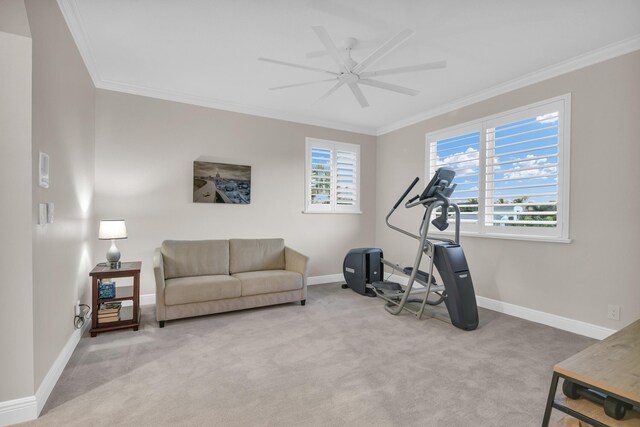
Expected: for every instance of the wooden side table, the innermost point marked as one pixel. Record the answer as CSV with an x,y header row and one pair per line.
x,y
612,367
130,315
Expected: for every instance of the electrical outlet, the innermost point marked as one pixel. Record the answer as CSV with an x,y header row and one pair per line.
x,y
613,312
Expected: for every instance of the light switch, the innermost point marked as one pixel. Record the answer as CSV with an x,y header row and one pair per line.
x,y
50,208
43,170
42,213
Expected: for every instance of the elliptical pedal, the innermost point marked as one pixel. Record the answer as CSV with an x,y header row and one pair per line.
x,y
422,277
389,289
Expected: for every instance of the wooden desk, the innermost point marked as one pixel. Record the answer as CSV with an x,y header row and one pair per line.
x,y
611,366
130,319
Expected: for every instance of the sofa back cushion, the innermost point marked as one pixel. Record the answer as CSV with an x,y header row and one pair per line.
x,y
256,255
183,258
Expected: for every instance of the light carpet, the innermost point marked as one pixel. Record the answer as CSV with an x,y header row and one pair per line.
x,y
340,360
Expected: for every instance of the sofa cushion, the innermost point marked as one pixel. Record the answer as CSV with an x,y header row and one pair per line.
x,y
266,282
256,255
183,258
185,290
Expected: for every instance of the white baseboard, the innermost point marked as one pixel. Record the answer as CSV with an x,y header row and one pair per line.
x,y
148,299
28,408
571,325
564,323
329,278
50,380
18,411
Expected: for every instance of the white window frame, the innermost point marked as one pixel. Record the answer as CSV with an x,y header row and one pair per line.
x,y
333,206
558,234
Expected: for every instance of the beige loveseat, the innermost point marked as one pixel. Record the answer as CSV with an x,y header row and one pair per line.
x,y
197,277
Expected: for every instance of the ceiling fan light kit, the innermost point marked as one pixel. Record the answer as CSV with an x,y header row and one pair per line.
x,y
352,73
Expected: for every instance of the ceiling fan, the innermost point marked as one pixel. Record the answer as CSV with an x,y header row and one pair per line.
x,y
352,73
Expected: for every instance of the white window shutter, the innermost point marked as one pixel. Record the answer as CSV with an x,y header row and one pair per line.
x,y
346,178
332,176
321,176
522,172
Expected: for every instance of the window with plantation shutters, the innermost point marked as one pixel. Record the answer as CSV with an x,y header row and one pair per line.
x,y
332,177
512,171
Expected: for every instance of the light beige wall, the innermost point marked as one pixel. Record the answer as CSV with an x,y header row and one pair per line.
x,y
145,150
574,280
13,18
63,127
16,311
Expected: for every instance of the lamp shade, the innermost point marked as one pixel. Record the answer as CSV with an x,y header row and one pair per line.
x,y
112,229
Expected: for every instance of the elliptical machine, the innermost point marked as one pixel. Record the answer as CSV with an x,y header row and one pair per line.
x,y
445,254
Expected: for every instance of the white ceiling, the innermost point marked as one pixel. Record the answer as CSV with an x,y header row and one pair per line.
x,y
205,51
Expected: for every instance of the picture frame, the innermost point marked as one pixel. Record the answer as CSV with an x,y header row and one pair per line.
x,y
221,183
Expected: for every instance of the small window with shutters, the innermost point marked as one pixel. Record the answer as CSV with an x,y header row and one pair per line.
x,y
512,171
332,177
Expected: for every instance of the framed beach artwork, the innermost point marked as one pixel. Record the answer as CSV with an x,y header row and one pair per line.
x,y
221,183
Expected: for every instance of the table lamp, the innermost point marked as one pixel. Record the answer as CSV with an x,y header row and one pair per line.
x,y
112,229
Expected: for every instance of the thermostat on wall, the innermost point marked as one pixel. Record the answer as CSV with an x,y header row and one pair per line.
x,y
43,170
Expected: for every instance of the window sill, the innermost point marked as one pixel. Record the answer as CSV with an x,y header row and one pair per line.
x,y
544,239
332,212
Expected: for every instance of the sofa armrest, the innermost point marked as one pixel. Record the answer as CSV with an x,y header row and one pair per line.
x,y
158,272
295,261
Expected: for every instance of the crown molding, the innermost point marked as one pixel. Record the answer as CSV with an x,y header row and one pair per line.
x,y
599,55
71,15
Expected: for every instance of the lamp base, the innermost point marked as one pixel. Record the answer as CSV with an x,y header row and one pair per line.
x,y
113,255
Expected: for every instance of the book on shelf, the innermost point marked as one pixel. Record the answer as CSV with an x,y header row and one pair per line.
x,y
108,319
109,308
104,316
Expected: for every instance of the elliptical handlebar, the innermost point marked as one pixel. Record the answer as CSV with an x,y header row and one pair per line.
x,y
413,184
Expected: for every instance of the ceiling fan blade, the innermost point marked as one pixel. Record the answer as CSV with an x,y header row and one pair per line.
x,y
302,84
332,50
304,67
357,92
383,50
407,69
330,91
389,86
